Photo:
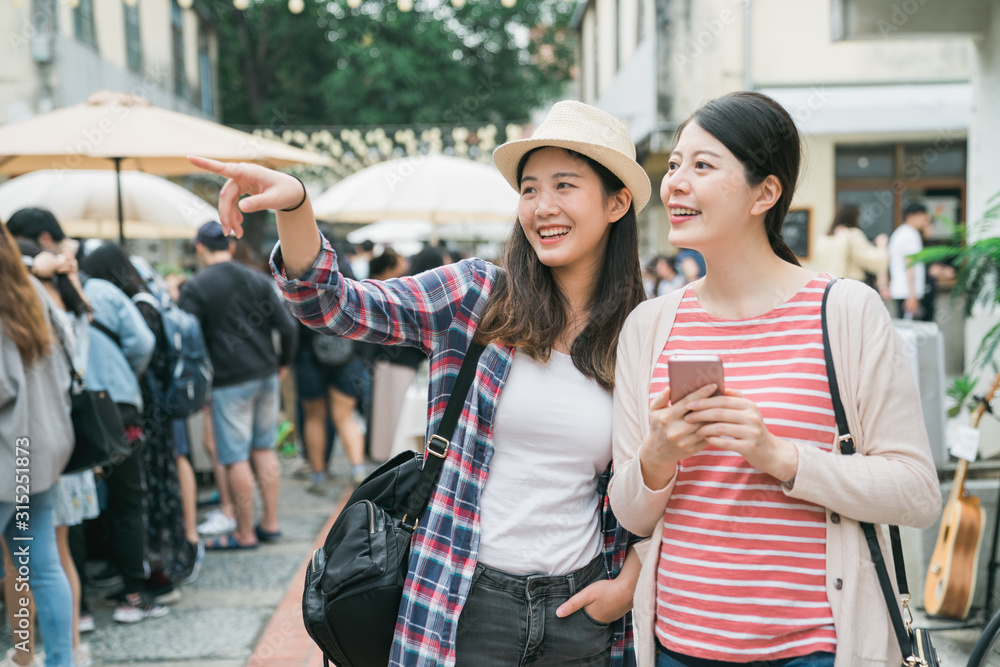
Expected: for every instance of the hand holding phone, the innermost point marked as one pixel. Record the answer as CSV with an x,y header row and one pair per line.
x,y
691,372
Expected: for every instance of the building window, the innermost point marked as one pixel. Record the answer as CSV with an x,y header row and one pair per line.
x,y
177,46
133,44
44,15
205,70
883,179
83,23
641,30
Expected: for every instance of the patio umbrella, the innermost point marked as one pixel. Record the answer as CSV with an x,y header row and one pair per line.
x,y
125,132
435,188
398,231
86,203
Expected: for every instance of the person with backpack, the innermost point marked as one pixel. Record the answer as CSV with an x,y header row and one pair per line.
x,y
239,309
121,347
172,541
517,559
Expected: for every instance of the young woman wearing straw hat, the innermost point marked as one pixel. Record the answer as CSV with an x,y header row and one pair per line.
x,y
757,556
518,559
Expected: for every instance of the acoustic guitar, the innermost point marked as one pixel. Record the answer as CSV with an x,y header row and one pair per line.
x,y
951,576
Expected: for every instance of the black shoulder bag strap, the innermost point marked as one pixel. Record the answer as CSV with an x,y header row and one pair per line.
x,y
846,445
438,444
107,332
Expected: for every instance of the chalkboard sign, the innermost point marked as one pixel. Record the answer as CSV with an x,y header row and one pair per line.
x,y
795,231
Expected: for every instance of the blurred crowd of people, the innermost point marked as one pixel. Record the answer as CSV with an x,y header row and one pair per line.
x,y
89,309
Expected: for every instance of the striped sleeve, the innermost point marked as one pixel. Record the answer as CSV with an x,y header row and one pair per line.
x,y
413,311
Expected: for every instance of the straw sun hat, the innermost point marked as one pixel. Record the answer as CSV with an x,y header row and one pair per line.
x,y
582,128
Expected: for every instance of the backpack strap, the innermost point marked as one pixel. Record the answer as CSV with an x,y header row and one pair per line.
x,y
846,445
439,443
107,332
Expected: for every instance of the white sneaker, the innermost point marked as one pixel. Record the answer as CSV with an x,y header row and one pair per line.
x,y
8,661
216,523
87,623
129,612
81,656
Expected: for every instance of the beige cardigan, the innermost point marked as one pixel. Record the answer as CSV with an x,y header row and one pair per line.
x,y
849,253
891,480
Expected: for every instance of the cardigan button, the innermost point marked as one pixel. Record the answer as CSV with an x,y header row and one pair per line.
x,y
838,584
834,517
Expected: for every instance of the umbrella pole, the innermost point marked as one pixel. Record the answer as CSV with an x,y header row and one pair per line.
x,y
121,209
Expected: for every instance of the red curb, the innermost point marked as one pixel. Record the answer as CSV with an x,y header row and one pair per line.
x,y
285,642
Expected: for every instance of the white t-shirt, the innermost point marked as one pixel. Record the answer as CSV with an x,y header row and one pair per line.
x,y
905,241
539,510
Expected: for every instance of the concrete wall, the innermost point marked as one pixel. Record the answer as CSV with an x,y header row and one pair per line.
x,y
792,45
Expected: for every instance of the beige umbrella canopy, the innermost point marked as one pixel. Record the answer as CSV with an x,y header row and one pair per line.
x,y
125,132
86,204
118,126
436,188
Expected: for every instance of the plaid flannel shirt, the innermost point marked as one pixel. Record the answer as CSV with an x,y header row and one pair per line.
x,y
437,312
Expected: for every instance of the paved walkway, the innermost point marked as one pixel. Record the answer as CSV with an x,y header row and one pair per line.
x,y
245,607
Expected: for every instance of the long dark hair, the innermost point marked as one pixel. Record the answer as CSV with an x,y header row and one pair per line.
x,y
528,310
847,215
72,300
761,134
110,262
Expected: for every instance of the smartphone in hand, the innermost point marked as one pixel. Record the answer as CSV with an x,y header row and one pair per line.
x,y
691,372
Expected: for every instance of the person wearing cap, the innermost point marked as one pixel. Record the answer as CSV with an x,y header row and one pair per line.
x,y
239,310
518,557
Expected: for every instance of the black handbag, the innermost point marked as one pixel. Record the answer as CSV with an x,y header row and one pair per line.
x,y
354,583
98,428
914,643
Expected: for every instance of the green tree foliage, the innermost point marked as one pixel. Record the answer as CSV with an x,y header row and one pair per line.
x,y
334,65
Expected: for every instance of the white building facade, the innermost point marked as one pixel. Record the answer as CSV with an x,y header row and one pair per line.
x,y
58,52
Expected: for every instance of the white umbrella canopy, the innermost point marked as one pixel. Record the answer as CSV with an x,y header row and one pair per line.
x,y
86,203
117,126
435,188
400,231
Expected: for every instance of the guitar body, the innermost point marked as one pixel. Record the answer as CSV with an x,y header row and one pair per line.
x,y
951,577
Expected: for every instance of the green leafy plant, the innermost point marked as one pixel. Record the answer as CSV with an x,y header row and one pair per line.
x,y
960,391
977,279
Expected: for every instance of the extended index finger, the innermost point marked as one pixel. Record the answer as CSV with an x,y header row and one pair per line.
x,y
227,169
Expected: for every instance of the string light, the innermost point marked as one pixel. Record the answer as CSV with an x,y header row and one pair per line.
x,y
353,4
185,4
404,5
296,6
458,4
508,3
241,5
131,3
72,4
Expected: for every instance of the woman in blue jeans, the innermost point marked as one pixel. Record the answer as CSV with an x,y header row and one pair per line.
x,y
36,439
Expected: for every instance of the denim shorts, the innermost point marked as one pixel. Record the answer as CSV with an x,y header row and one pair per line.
x,y
313,379
665,658
245,417
511,620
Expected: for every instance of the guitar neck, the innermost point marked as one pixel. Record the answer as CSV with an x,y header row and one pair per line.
x,y
958,486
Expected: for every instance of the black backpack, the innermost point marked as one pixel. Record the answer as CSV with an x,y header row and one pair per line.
x,y
354,583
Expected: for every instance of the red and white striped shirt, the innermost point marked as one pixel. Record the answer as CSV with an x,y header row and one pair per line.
x,y
742,572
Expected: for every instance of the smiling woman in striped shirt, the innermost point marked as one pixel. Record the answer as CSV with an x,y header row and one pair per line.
x,y
756,553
